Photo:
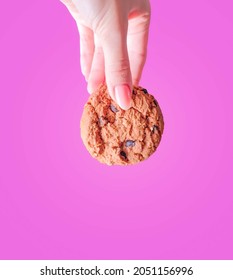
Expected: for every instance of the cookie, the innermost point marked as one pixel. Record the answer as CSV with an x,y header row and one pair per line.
x,y
117,137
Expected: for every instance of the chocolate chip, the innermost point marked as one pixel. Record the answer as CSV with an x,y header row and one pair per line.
x,y
123,154
113,109
134,92
155,128
155,102
145,91
129,143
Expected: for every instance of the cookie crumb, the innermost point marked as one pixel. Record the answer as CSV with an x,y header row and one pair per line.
x,y
102,121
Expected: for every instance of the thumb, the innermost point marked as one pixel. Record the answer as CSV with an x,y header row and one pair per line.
x,y
117,66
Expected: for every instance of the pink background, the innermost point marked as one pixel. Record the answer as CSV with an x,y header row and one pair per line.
x,y
56,202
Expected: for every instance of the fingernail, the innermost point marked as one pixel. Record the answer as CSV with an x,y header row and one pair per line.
x,y
123,96
88,90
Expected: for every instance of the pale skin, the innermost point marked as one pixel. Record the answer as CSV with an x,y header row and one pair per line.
x,y
113,43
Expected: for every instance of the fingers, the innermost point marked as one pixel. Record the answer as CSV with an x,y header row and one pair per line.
x,y
97,75
118,59
137,40
86,39
86,49
117,67
71,7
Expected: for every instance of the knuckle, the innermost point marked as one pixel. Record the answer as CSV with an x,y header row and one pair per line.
x,y
118,67
119,72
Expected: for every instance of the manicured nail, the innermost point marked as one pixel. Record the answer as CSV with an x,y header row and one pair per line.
x,y
123,96
89,88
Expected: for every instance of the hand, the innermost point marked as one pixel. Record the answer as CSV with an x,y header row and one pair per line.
x,y
113,43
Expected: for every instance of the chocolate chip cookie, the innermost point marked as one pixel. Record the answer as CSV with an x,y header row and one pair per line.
x,y
117,137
